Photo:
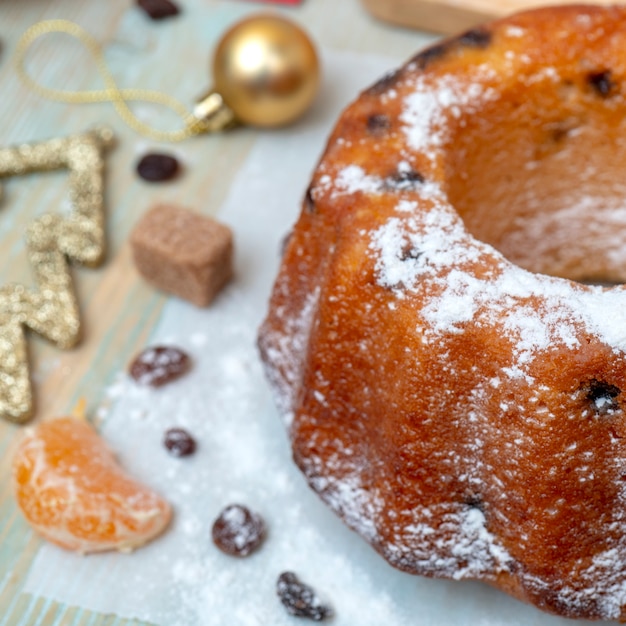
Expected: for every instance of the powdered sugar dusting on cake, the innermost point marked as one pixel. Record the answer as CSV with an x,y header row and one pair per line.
x,y
608,228
477,547
428,106
423,248
464,548
353,178
287,351
346,495
430,239
447,268
515,31
604,584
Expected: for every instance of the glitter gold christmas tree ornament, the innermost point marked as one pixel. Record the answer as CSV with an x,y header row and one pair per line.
x,y
51,310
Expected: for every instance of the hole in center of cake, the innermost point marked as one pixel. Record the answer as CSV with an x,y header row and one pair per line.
x,y
540,175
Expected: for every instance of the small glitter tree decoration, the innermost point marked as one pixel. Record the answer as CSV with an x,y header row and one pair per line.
x,y
51,310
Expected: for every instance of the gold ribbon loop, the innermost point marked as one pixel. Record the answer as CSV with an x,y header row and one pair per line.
x,y
112,93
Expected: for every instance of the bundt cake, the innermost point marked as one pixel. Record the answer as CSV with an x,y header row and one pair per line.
x,y
446,337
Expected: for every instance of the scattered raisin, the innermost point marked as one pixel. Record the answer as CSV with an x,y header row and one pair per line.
x,y
159,365
156,167
409,252
238,531
601,82
158,9
474,501
476,38
602,396
404,179
299,599
424,58
378,124
179,442
560,131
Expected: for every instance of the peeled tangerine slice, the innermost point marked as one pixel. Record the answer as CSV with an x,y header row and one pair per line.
x,y
73,492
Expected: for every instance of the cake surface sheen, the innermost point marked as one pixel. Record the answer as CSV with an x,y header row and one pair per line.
x,y
453,384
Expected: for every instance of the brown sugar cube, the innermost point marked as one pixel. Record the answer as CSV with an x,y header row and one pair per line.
x,y
183,253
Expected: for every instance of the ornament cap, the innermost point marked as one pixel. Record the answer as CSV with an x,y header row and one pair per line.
x,y
213,111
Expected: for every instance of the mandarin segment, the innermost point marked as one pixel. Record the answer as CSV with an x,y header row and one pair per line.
x,y
73,492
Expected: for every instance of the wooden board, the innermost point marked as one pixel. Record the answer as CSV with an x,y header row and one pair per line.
x,y
451,16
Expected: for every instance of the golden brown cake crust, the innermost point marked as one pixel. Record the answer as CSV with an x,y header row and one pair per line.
x,y
450,391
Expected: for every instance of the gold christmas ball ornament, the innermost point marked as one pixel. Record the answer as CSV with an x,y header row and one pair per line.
x,y
265,72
